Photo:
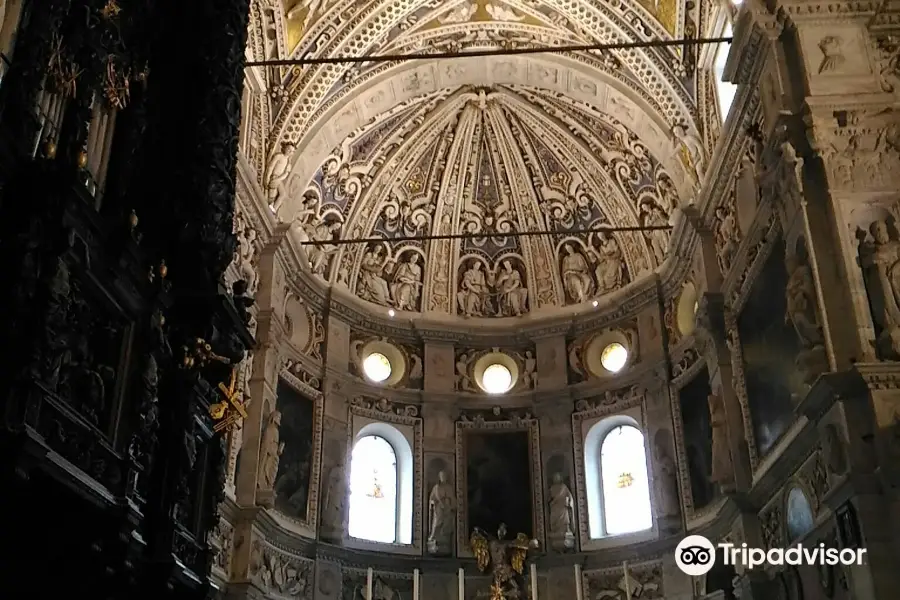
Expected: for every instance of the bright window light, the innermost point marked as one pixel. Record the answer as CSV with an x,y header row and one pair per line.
x,y
496,379
377,367
725,91
373,490
614,357
626,488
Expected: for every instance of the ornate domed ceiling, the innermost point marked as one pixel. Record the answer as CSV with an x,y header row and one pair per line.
x,y
488,145
489,161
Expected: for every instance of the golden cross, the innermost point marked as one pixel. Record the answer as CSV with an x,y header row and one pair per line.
x,y
231,393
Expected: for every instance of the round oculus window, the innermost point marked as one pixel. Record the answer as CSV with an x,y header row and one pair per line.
x,y
614,357
377,367
496,379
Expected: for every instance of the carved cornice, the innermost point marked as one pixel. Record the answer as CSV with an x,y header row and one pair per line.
x,y
880,376
861,11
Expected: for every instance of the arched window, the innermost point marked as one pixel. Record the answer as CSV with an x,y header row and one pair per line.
x,y
725,91
617,486
381,486
373,490
626,488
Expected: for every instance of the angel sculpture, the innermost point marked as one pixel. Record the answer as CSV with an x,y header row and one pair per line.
x,y
506,558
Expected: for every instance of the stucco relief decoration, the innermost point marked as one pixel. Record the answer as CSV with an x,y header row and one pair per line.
x,y
221,542
585,351
879,256
246,254
408,369
485,162
861,149
468,363
727,234
279,573
383,405
888,58
639,580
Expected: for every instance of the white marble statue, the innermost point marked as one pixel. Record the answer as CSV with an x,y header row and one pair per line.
x,y
562,514
372,285
609,264
441,509
473,291
406,286
277,172
512,293
270,452
576,275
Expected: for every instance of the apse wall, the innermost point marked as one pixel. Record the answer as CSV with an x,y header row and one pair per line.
x,y
732,435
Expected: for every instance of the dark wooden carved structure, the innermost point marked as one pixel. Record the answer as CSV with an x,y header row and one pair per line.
x,y
118,138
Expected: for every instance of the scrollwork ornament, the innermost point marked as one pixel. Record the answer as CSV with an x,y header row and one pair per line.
x,y
888,57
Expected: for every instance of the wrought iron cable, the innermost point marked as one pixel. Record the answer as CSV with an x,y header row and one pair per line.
x,y
381,58
476,235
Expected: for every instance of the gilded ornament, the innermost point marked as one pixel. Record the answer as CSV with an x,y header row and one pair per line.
x,y
82,159
110,10
230,411
50,149
505,557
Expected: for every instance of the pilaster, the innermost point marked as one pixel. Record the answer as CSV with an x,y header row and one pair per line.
x,y
439,368
262,386
551,362
714,338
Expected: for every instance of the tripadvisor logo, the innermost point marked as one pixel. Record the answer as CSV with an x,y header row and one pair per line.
x,y
695,555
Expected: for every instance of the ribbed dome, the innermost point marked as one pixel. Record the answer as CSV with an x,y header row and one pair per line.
x,y
479,160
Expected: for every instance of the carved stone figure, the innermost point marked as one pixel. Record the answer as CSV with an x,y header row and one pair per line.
x,y
801,302
335,498
473,292
512,293
692,153
667,479
576,275
722,467
529,376
372,285
728,238
562,515
652,215
802,312
832,53
463,381
441,508
610,261
407,284
880,260
277,172
246,257
270,452
318,255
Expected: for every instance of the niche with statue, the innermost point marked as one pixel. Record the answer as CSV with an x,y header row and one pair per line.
x,y
879,258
